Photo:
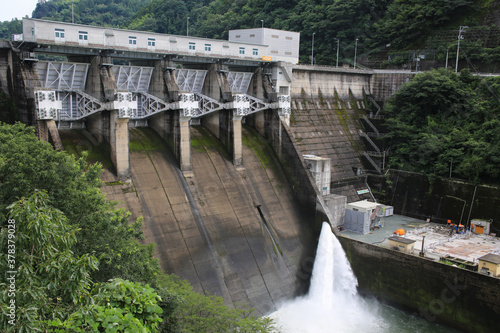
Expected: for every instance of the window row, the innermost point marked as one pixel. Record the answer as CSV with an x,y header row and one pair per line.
x,y
255,52
83,38
60,36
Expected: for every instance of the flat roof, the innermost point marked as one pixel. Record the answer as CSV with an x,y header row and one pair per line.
x,y
139,31
490,257
363,204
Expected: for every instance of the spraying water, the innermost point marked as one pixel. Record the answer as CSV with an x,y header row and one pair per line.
x,y
333,304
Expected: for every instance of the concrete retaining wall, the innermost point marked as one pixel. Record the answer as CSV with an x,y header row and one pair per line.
x,y
311,82
384,84
446,199
456,297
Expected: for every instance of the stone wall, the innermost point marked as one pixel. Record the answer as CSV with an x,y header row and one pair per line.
x,y
440,293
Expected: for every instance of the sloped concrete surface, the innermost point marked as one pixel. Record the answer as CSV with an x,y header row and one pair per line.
x,y
207,224
330,128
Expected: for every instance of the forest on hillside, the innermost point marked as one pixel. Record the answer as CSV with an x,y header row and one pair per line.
x,y
374,27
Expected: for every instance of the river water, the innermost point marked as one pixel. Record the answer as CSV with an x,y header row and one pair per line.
x,y
334,306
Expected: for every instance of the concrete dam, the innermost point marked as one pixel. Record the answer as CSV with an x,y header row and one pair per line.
x,y
234,232
209,151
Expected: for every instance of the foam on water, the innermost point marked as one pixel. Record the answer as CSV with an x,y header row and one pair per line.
x,y
332,304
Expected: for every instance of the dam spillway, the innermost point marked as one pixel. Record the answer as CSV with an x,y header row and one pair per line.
x,y
234,232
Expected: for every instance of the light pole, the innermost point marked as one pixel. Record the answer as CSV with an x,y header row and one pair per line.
x,y
72,13
462,28
355,52
262,21
187,26
463,207
312,50
338,46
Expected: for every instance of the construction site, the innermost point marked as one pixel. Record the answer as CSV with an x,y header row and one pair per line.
x,y
464,246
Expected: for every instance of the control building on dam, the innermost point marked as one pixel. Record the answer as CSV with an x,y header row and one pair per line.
x,y
208,138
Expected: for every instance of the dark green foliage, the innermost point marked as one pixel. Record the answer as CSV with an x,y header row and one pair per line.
x,y
27,164
441,120
111,13
118,306
197,313
50,278
409,22
8,28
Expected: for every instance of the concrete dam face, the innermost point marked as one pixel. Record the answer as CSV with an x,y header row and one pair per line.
x,y
234,232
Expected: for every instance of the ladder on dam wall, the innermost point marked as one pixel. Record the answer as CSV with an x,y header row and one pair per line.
x,y
375,156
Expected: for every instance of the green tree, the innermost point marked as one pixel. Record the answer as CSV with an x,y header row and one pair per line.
x,y
409,22
49,279
27,164
442,120
118,306
8,28
198,313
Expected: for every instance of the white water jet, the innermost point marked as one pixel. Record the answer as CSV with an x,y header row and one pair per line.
x,y
332,304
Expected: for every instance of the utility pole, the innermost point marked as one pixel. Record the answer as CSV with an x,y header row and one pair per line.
x,y
462,28
187,26
355,52
338,44
72,13
312,50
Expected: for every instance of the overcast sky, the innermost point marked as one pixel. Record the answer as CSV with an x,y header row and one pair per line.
x,y
16,8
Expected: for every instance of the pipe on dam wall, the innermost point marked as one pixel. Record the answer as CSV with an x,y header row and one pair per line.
x,y
459,298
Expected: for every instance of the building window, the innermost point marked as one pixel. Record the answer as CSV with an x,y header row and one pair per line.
x,y
192,46
274,52
289,38
132,41
275,36
252,35
238,36
242,50
59,34
255,52
208,47
83,37
288,53
151,43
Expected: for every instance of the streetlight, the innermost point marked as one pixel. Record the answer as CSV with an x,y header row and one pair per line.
x,y
338,46
187,26
355,52
462,28
262,21
312,50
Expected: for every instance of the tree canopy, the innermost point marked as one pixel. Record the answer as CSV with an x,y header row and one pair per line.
x,y
27,164
442,121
